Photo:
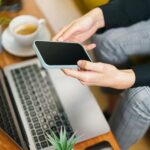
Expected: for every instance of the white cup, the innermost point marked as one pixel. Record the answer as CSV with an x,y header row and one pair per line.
x,y
26,40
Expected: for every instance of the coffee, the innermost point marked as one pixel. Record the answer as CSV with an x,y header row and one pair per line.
x,y
25,29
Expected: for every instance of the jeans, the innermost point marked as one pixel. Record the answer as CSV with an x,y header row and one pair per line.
x,y
131,119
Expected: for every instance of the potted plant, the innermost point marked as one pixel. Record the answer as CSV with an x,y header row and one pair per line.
x,y
3,20
62,142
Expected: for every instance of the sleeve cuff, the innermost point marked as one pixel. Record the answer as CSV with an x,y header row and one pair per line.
x,y
142,74
122,13
114,16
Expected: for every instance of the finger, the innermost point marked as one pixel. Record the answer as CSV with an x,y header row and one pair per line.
x,y
63,70
66,70
74,73
90,46
60,33
84,76
86,65
68,33
85,83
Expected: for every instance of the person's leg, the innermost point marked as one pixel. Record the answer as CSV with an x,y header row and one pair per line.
x,y
116,45
131,119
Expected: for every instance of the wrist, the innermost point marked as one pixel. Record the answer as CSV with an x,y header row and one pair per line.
x,y
125,79
99,17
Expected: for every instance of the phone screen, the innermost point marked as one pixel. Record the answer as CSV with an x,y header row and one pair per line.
x,y
58,53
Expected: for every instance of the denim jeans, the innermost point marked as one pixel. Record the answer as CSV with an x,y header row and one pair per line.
x,y
131,119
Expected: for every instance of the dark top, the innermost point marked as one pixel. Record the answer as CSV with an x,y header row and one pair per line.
x,y
122,13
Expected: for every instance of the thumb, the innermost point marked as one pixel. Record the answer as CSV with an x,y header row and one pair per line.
x,y
86,65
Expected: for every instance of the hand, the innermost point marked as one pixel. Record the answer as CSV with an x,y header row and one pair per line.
x,y
82,28
101,74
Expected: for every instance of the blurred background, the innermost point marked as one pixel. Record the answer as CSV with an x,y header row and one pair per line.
x,y
59,13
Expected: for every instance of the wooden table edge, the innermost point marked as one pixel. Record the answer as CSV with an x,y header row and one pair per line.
x,y
108,137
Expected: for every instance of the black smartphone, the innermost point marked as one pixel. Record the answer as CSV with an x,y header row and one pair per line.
x,y
60,54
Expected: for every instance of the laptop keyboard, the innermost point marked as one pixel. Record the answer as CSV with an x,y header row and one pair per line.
x,y
40,103
6,121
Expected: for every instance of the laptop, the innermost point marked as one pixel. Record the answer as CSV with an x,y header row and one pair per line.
x,y
35,101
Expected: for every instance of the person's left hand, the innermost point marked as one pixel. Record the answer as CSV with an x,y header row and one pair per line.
x,y
101,74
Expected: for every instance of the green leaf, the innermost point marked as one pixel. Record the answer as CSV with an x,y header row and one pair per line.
x,y
54,141
63,138
61,143
71,142
54,135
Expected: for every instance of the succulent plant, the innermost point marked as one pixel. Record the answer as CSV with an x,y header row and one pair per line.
x,y
62,143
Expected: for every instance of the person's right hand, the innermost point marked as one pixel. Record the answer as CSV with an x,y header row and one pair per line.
x,y
82,28
101,74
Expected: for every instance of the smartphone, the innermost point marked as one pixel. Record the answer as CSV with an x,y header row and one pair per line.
x,y
60,54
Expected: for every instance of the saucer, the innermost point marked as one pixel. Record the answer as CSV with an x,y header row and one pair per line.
x,y
11,46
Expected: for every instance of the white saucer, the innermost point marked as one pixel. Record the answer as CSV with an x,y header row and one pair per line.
x,y
11,45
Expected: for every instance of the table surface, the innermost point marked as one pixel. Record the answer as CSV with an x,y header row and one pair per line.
x,y
29,7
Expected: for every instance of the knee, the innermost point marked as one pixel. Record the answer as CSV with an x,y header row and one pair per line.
x,y
105,41
140,101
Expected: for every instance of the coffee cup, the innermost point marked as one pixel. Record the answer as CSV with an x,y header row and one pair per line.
x,y
25,29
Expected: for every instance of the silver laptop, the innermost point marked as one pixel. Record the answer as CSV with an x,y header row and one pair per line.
x,y
40,101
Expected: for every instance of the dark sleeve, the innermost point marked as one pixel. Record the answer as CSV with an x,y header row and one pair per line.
x,y
142,74
121,13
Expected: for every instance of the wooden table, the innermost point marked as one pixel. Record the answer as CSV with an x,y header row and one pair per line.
x,y
29,7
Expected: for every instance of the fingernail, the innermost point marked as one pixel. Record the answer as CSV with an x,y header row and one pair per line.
x,y
94,45
60,40
64,70
79,62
